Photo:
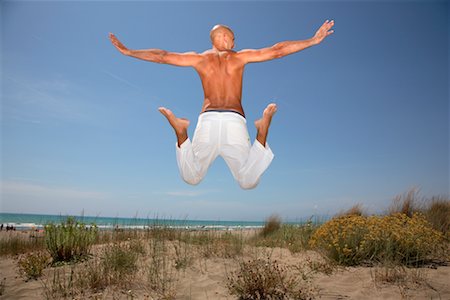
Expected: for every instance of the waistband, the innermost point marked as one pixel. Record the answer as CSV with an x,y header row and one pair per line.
x,y
221,114
224,110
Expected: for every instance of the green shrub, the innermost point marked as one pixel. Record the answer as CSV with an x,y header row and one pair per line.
x,y
70,240
351,240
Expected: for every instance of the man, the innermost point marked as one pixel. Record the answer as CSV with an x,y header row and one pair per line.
x,y
221,128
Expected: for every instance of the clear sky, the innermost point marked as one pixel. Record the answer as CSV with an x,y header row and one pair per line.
x,y
362,117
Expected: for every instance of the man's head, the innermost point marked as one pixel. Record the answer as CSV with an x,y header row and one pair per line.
x,y
222,37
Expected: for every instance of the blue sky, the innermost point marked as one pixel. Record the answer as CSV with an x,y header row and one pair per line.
x,y
362,117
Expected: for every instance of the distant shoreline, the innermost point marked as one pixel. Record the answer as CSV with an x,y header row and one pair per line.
x,y
38,221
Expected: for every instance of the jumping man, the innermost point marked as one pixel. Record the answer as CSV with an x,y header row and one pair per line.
x,y
221,127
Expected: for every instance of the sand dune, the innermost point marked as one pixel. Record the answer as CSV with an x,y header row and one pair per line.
x,y
206,277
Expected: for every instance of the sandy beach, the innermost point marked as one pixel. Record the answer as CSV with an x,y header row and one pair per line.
x,y
205,276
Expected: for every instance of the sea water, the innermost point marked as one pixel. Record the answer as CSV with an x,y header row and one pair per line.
x,y
36,221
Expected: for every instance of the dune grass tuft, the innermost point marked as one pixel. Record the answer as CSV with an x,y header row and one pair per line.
x,y
437,213
271,225
70,240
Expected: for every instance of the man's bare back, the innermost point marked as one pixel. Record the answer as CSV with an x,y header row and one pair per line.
x,y
221,75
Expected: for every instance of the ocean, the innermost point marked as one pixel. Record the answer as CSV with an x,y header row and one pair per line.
x,y
36,221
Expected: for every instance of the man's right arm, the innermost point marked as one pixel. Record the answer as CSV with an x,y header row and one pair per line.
x,y
188,59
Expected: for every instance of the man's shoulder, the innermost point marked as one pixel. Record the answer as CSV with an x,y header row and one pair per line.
x,y
215,52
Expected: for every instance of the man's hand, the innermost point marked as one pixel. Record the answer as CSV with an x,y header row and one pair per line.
x,y
124,50
323,31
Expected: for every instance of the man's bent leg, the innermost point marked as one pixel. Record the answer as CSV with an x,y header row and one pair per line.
x,y
187,165
259,159
192,164
249,163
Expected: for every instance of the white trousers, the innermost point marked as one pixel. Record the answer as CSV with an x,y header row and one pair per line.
x,y
224,134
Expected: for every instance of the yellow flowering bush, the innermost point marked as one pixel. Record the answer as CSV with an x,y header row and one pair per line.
x,y
351,240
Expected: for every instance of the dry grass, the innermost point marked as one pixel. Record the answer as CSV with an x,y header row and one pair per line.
x,y
437,213
15,243
161,273
293,237
213,243
355,210
407,203
271,225
399,275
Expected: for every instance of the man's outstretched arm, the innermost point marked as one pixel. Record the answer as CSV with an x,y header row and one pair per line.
x,y
188,59
285,48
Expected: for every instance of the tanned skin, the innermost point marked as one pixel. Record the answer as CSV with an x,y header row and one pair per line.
x,y
221,71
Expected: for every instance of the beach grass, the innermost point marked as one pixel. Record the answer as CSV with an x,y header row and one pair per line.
x,y
294,237
70,240
15,243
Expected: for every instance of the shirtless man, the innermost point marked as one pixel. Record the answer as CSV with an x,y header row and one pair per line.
x,y
221,128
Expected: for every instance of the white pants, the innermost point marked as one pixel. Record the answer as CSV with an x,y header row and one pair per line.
x,y
224,134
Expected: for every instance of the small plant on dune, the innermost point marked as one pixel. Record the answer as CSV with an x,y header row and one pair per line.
x,y
260,279
31,265
351,240
119,263
313,266
70,240
271,225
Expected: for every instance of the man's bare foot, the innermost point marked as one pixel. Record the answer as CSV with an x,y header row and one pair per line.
x,y
262,125
180,125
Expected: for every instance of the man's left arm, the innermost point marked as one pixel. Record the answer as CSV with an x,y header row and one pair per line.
x,y
285,48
